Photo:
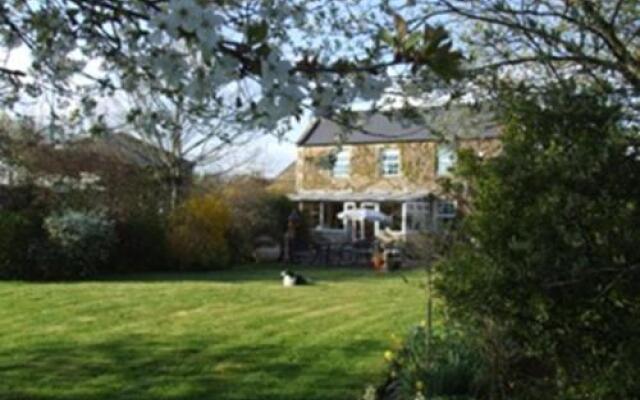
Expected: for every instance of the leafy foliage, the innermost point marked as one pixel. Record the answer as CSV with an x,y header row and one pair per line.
x,y
83,242
444,366
17,231
550,272
142,244
255,212
197,233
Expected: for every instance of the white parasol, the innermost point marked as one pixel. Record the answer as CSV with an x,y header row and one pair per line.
x,y
364,214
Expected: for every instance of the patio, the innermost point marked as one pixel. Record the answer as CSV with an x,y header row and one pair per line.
x,y
349,246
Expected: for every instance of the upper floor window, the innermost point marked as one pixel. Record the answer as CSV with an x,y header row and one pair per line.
x,y
342,164
446,159
390,162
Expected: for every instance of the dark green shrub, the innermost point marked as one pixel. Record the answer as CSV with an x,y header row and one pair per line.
x,y
255,213
17,233
141,245
551,259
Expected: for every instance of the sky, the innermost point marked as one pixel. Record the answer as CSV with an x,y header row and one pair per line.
x,y
269,154
274,155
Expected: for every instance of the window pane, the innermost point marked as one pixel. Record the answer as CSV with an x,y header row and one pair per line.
x,y
446,159
390,162
342,166
312,213
393,210
331,211
417,216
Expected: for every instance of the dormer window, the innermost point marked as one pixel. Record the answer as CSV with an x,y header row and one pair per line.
x,y
390,162
342,164
446,159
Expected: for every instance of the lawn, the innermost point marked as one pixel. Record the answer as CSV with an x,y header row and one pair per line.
x,y
226,335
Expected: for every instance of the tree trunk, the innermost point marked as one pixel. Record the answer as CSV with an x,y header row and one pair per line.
x,y
176,180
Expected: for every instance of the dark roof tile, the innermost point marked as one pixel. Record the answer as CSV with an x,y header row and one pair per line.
x,y
461,122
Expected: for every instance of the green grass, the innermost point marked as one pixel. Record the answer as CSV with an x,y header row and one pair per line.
x,y
226,335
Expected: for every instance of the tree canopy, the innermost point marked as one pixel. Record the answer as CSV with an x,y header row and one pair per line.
x,y
267,59
538,41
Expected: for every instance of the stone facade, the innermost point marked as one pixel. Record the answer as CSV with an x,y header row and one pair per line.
x,y
418,166
387,169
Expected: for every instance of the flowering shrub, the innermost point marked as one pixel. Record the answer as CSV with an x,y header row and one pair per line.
x,y
82,241
445,366
198,233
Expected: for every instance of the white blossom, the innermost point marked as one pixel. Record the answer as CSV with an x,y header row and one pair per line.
x,y
171,67
185,13
183,36
207,29
275,70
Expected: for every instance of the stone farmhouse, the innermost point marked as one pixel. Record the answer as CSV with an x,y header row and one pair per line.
x,y
388,165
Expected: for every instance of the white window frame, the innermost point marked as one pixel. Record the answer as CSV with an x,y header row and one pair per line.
x,y
450,150
349,205
350,224
342,165
383,162
376,225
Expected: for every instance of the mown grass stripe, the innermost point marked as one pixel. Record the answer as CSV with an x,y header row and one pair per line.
x,y
229,335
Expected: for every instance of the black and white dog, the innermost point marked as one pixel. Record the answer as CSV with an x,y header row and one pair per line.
x,y
290,278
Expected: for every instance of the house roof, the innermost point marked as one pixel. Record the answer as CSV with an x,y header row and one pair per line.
x,y
459,121
116,153
127,148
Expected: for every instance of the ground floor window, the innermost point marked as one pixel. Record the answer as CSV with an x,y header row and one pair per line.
x,y
331,211
323,214
417,214
311,212
393,210
405,217
446,212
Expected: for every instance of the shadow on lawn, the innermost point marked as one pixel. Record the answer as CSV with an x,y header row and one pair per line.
x,y
135,368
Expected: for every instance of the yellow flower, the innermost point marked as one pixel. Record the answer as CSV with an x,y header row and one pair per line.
x,y
388,355
423,323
